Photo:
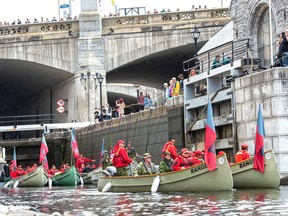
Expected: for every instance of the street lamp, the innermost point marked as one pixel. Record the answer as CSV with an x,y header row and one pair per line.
x,y
195,35
100,80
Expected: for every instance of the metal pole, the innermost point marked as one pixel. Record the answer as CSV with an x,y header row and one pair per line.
x,y
58,9
70,9
271,37
101,110
196,60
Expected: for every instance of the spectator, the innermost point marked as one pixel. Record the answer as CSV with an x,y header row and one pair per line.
x,y
216,63
42,20
140,101
155,11
147,102
121,107
166,92
69,17
148,12
170,88
75,18
176,87
163,11
96,114
278,60
192,72
35,20
54,19
181,81
47,20
19,22
116,112
27,21
13,23
193,7
108,112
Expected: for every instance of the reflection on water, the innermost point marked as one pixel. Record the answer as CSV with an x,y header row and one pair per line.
x,y
88,201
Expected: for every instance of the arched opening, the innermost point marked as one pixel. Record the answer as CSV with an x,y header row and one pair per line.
x,y
263,38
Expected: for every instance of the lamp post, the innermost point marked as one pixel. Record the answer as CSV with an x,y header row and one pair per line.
x,y
195,35
100,79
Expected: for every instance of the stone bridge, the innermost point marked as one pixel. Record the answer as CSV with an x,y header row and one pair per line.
x,y
43,62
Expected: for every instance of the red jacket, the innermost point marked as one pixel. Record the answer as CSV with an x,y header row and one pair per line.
x,y
180,162
170,147
52,172
120,158
241,155
81,161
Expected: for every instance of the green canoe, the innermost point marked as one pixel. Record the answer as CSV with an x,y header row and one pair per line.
x,y
69,177
35,178
193,179
244,176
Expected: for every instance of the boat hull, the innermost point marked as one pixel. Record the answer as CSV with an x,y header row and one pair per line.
x,y
193,179
35,178
91,177
69,177
244,176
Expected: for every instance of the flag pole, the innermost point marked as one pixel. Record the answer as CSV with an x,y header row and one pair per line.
x,y
58,9
271,36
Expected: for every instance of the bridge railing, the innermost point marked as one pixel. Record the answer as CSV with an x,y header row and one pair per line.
x,y
25,29
228,52
165,17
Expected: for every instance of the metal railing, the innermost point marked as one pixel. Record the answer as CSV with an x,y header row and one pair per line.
x,y
229,52
27,119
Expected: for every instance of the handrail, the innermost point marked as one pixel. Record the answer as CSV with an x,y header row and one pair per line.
x,y
232,50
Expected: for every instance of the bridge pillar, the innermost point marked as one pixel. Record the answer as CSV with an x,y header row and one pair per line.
x,y
91,62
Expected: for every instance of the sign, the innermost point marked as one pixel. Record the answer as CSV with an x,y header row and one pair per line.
x,y
60,103
60,109
64,6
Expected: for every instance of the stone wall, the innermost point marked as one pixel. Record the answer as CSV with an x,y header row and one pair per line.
x,y
147,130
270,88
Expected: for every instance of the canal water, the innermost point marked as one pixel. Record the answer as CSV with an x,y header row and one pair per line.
x,y
87,200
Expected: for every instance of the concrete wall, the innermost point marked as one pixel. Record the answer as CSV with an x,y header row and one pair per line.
x,y
270,88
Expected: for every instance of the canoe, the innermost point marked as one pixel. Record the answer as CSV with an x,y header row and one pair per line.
x,y
193,179
36,178
87,177
69,177
244,176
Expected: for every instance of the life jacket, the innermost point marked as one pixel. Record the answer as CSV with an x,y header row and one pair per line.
x,y
116,157
238,156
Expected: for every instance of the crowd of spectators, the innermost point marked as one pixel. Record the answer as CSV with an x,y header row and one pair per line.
x,y
35,20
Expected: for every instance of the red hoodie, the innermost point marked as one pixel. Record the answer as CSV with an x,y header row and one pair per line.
x,y
120,158
170,147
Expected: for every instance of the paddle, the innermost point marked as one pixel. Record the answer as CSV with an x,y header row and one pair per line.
x,y
155,184
7,184
107,187
49,182
81,180
16,184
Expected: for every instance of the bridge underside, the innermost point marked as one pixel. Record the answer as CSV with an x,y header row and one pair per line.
x,y
155,69
21,80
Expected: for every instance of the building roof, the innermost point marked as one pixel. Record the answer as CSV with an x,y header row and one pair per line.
x,y
221,37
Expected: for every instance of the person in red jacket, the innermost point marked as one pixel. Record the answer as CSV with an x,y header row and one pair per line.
x,y
198,157
182,162
82,160
53,171
170,147
20,171
242,154
120,159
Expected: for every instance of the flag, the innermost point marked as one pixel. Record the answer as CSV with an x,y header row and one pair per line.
x,y
259,158
43,152
113,2
74,145
14,161
210,137
102,153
